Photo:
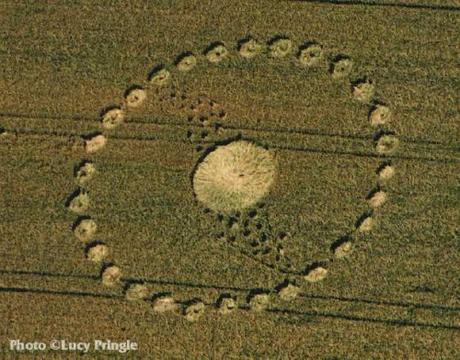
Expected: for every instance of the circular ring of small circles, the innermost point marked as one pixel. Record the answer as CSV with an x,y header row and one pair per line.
x,y
308,55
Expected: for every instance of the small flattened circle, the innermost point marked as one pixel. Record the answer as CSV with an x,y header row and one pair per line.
x,y
160,76
250,48
280,48
217,53
341,67
135,97
380,115
112,118
310,54
186,62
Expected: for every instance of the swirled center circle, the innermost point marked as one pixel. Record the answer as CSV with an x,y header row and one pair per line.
x,y
234,176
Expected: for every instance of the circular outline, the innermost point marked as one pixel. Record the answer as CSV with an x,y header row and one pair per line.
x,y
317,270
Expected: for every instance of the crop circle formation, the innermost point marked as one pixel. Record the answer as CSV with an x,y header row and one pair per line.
x,y
232,177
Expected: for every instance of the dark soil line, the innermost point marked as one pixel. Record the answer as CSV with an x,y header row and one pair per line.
x,y
59,292
300,131
389,302
59,133
392,322
380,4
382,302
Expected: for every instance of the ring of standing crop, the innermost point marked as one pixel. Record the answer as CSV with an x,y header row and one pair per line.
x,y
233,176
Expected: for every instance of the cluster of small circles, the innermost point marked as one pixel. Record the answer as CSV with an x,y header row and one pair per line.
x,y
207,115
251,229
309,54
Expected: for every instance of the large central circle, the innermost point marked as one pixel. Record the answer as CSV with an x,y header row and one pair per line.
x,y
234,176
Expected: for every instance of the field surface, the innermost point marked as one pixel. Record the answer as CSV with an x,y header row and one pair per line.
x,y
396,293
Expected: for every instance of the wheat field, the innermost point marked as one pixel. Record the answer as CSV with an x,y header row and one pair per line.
x,y
231,179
